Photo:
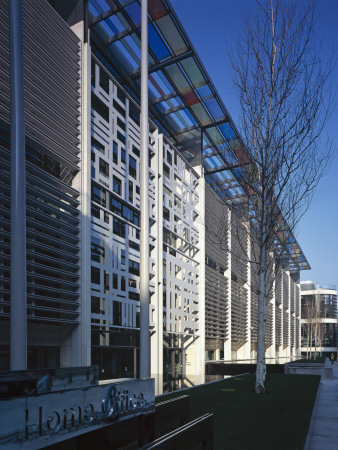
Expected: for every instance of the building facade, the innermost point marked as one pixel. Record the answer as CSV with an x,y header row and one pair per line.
x,y
319,319
82,127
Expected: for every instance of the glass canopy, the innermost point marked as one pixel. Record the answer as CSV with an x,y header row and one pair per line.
x,y
183,102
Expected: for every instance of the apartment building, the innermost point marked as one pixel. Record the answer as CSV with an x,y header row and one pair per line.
x,y
319,319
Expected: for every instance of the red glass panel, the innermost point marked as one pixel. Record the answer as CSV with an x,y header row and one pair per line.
x,y
190,97
157,9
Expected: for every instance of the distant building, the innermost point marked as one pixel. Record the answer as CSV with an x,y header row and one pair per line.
x,y
319,318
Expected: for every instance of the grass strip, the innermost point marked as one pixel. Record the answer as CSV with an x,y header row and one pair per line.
x,y
319,359
244,420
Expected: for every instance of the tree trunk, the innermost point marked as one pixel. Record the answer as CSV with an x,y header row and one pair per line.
x,y
261,365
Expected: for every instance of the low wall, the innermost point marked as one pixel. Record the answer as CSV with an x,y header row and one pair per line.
x,y
221,368
35,421
322,369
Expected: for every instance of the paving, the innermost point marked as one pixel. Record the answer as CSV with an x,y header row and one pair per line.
x,y
323,430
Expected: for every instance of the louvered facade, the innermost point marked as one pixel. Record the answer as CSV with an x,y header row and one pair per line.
x,y
52,127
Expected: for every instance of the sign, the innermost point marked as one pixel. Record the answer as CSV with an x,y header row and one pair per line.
x,y
52,415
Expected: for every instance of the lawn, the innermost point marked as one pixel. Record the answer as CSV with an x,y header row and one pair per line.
x,y
244,420
319,359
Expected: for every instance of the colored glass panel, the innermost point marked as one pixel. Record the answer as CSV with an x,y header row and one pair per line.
x,y
214,108
191,118
156,43
171,34
135,43
115,24
188,117
190,97
192,70
204,91
122,50
100,5
134,12
215,135
108,28
200,113
93,10
157,9
154,93
123,20
162,82
227,131
178,78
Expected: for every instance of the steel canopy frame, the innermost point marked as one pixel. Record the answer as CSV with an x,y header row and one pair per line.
x,y
183,101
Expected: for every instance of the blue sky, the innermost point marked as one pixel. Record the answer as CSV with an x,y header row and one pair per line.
x,y
210,25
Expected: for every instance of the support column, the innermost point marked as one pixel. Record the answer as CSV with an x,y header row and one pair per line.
x,y
227,343
79,339
144,182
18,325
156,354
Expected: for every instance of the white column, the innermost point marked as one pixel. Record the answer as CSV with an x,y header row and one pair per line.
x,y
144,182
18,324
156,355
227,344
200,342
80,339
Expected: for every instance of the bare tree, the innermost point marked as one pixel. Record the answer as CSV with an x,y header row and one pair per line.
x,y
285,97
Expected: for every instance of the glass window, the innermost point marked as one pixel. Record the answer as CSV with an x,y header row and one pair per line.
x,y
100,107
115,281
97,305
104,168
119,228
123,283
134,267
115,152
117,183
117,313
132,167
99,194
123,256
106,281
131,191
95,275
123,155
97,250
97,145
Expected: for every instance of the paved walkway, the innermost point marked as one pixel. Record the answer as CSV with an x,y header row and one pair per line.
x,y
323,431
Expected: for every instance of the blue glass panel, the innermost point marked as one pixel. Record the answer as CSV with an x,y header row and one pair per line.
x,y
161,84
108,28
99,5
116,23
187,118
176,119
103,5
134,12
214,108
181,118
163,106
188,113
165,80
156,43
153,91
93,9
176,101
136,50
227,131
204,91
125,53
